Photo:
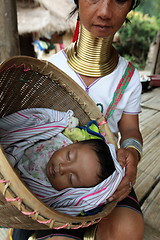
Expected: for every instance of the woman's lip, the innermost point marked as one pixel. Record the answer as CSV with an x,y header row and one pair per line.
x,y
102,26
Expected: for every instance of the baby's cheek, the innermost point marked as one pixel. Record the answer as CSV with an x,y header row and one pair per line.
x,y
59,183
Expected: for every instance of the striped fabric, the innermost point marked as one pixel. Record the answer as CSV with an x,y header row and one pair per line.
x,y
23,129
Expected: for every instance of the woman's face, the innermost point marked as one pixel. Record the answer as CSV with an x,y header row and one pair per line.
x,y
103,17
75,166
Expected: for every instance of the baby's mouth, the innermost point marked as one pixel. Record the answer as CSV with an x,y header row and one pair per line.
x,y
50,171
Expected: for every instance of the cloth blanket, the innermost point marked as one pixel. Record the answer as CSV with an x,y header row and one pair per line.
x,y
22,130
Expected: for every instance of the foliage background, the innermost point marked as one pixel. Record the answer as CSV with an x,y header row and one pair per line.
x,y
137,35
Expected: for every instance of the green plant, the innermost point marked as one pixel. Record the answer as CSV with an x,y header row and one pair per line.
x,y
136,37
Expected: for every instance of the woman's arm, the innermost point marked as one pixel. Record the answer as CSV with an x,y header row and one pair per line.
x,y
129,128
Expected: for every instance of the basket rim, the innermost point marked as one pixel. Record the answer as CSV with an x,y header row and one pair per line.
x,y
48,213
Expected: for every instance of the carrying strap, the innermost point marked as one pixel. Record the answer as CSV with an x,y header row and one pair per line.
x,y
120,90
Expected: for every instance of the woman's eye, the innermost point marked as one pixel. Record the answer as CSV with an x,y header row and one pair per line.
x,y
96,1
93,1
121,1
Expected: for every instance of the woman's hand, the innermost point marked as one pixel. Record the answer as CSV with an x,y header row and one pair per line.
x,y
127,158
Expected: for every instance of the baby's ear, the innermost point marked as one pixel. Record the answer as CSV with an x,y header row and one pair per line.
x,y
76,141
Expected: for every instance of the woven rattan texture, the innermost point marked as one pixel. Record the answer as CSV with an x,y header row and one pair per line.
x,y
27,83
21,89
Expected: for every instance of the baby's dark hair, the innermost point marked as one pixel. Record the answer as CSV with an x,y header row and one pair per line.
x,y
104,156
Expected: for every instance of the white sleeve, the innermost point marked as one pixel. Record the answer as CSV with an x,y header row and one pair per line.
x,y
133,93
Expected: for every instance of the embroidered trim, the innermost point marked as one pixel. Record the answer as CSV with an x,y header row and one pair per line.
x,y
120,90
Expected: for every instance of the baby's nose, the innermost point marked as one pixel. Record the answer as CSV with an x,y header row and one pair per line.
x,y
64,168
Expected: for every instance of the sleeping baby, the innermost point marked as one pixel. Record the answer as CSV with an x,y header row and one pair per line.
x,y
73,174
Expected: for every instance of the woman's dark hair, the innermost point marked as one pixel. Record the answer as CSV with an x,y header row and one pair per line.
x,y
103,153
135,3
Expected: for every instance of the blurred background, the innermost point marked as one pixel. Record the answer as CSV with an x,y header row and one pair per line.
x,y
40,28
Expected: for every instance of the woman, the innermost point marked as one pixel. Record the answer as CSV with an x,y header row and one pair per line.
x,y
96,66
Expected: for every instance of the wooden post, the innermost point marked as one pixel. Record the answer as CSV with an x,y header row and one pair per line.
x,y
9,39
157,62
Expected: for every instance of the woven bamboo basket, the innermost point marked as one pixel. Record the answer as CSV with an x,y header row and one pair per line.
x,y
27,82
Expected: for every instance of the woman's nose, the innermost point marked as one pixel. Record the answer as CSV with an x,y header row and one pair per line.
x,y
105,9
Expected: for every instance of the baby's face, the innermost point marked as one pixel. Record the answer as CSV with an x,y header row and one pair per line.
x,y
74,166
